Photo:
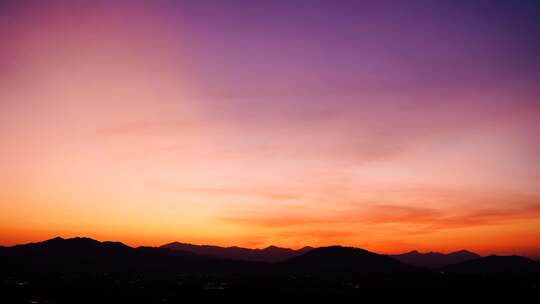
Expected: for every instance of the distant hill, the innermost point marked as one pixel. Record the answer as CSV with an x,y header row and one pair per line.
x,y
268,254
85,255
347,261
435,259
496,264
72,245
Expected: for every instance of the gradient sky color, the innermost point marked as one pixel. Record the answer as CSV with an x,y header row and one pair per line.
x,y
388,125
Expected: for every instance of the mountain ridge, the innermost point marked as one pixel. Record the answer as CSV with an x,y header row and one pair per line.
x,y
268,254
108,264
495,264
435,260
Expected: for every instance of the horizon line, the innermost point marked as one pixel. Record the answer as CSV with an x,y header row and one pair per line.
x,y
533,257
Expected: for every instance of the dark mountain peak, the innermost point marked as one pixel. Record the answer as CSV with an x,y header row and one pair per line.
x,y
185,246
170,244
465,253
435,259
509,258
76,244
341,250
89,242
418,253
495,264
334,254
55,239
111,244
188,246
70,241
305,249
345,261
273,248
86,240
268,254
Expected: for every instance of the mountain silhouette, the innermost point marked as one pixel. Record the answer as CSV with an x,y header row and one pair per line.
x,y
496,264
435,259
337,259
268,254
63,268
74,245
85,255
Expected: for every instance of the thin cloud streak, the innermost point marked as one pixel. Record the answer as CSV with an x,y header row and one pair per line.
x,y
419,219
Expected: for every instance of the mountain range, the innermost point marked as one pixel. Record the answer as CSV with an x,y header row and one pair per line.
x,y
268,254
324,257
435,259
271,254
53,268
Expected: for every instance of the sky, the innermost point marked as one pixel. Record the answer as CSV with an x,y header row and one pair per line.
x,y
386,125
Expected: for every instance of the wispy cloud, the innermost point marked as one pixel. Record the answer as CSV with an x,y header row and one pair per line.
x,y
415,219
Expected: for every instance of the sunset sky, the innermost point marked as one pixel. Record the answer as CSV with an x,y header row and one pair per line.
x,y
386,125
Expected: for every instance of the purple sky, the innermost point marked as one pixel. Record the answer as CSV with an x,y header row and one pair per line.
x,y
389,125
